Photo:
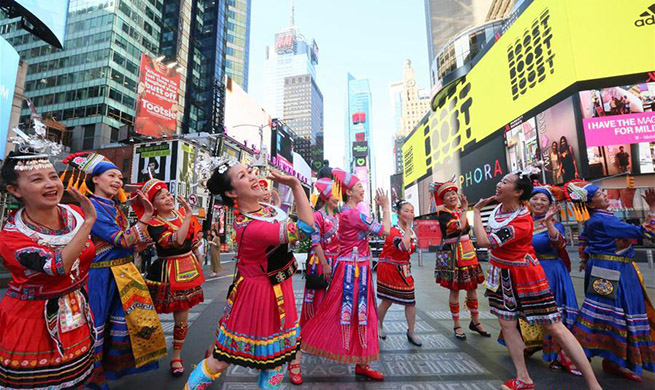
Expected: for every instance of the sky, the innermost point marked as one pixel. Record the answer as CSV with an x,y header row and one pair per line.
x,y
368,38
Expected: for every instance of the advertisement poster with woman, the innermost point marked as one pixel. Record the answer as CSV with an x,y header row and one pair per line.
x,y
558,143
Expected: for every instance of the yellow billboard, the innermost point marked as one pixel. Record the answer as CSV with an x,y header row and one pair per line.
x,y
553,45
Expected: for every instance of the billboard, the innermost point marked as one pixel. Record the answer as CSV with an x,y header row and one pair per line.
x,y
482,166
9,59
158,159
558,143
550,48
282,141
244,117
47,19
619,129
156,101
285,41
360,149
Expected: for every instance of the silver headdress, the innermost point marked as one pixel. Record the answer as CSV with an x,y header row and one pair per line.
x,y
527,172
37,147
205,166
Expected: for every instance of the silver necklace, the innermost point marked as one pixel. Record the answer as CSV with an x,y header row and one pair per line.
x,y
279,216
492,223
49,239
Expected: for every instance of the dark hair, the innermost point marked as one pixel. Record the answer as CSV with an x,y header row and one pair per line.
x,y
398,204
9,173
524,182
219,184
153,160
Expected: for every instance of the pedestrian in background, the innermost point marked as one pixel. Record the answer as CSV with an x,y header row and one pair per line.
x,y
215,253
201,250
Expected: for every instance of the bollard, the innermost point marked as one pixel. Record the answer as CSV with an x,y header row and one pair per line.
x,y
649,257
420,258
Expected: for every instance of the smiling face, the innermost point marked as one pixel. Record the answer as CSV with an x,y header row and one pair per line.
x,y
451,199
163,202
356,193
539,204
38,188
506,189
406,213
245,185
600,201
108,183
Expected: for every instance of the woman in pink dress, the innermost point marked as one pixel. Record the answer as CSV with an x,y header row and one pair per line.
x,y
259,328
324,246
345,327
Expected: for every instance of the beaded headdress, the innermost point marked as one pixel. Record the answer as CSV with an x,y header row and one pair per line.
x,y
206,165
84,165
36,148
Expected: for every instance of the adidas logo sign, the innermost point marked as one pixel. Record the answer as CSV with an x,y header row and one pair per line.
x,y
647,18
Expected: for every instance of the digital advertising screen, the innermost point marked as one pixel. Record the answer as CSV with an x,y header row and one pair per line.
x,y
48,19
9,59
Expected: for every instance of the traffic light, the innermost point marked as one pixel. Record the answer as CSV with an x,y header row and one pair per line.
x,y
630,181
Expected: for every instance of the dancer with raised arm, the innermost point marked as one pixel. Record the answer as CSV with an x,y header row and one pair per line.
x,y
457,267
395,280
175,279
345,328
46,326
616,320
127,343
259,328
516,285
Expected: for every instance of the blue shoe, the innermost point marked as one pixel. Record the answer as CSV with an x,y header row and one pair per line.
x,y
201,377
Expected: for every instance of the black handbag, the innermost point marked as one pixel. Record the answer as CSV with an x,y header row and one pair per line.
x,y
315,281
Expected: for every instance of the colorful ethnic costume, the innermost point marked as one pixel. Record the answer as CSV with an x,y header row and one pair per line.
x,y
466,273
46,326
395,281
517,286
325,237
127,343
259,328
617,320
345,328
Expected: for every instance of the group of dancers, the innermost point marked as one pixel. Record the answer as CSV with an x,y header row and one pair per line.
x,y
78,313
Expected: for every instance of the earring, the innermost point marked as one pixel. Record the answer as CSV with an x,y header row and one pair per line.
x,y
236,208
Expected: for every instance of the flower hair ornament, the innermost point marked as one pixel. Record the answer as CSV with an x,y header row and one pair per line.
x,y
37,147
206,165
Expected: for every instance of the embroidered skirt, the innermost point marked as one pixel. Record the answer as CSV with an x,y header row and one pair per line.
x,y
521,292
617,328
29,356
312,299
345,328
259,329
114,349
395,282
175,284
467,273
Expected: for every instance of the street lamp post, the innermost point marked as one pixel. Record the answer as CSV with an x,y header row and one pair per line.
x,y
260,161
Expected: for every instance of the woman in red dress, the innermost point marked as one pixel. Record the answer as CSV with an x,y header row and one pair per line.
x,y
259,328
466,273
395,281
517,285
175,279
46,326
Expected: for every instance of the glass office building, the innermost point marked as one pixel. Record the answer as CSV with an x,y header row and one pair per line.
x,y
90,86
194,35
237,50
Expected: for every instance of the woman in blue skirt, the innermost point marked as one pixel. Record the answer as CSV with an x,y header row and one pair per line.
x,y
616,319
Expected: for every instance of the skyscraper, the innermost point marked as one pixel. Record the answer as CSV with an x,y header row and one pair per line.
x,y
90,86
238,41
195,35
303,112
359,156
290,73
